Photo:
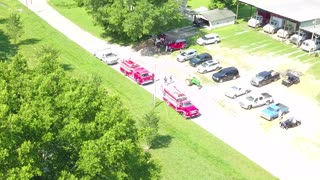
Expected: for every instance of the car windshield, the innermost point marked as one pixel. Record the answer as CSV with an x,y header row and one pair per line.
x,y
270,109
204,64
184,54
261,75
186,104
273,22
145,75
250,98
108,55
234,88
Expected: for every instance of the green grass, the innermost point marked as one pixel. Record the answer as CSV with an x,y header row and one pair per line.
x,y
194,4
184,150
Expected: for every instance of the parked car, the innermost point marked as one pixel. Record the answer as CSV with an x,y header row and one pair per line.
x,y
208,66
177,45
291,79
256,100
274,111
209,39
236,91
106,56
290,123
226,74
186,55
264,78
199,59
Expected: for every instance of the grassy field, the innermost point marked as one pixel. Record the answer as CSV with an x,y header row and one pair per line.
x,y
184,150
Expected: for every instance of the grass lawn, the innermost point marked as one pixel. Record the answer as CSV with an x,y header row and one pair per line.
x,y
184,150
194,4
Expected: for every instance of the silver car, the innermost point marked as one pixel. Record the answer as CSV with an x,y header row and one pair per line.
x,y
208,66
236,91
186,55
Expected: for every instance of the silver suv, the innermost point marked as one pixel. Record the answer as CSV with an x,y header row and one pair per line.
x,y
186,55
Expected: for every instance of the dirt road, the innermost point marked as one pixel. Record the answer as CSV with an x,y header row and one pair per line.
x,y
292,154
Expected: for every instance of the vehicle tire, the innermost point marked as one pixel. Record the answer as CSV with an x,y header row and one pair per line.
x,y
249,107
205,71
167,102
247,91
299,43
268,102
311,50
235,96
234,77
286,127
221,80
298,123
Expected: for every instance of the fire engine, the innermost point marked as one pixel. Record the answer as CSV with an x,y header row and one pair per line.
x,y
136,72
179,101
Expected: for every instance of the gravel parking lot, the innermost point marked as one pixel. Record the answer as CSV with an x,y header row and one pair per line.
x,y
291,154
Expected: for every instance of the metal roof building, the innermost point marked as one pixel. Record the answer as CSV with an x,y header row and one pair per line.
x,y
307,12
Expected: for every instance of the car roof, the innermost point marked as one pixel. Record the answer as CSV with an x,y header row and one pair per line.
x,y
211,62
229,69
204,54
211,35
190,50
180,40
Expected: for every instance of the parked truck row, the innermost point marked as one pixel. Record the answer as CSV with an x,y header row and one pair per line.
x,y
285,29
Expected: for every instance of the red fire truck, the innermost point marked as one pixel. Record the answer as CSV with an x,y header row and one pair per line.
x,y
179,101
136,72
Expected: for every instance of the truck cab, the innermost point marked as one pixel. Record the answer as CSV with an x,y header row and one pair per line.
x,y
256,100
310,45
274,111
178,100
264,78
259,19
274,25
136,72
298,37
288,29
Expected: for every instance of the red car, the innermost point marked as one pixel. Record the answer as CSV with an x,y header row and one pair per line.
x,y
177,45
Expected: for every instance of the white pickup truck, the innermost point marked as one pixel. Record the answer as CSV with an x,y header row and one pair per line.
x,y
256,100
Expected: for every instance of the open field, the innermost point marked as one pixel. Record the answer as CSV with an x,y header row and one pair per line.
x,y
184,150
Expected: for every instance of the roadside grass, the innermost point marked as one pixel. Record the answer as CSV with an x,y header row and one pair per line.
x,y
184,150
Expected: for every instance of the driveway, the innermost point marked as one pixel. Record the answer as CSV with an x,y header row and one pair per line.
x,y
292,154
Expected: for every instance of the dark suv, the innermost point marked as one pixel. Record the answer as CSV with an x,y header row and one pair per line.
x,y
199,59
226,74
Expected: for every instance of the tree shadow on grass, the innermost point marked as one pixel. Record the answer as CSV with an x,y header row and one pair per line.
x,y
67,67
161,141
29,41
3,20
6,48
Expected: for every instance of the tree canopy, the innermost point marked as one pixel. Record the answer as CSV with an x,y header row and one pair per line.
x,y
53,126
220,4
14,26
133,19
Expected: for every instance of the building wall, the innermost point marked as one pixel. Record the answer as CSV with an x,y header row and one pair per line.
x,y
307,23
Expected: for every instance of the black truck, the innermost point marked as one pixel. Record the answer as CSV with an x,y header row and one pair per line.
x,y
264,78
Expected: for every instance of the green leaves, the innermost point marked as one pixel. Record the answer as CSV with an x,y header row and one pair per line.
x,y
14,26
132,20
54,126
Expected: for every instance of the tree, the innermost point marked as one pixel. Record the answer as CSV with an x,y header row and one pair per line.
x,y
131,19
14,27
150,127
220,4
53,126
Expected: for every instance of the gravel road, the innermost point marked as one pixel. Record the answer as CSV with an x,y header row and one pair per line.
x,y
292,154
